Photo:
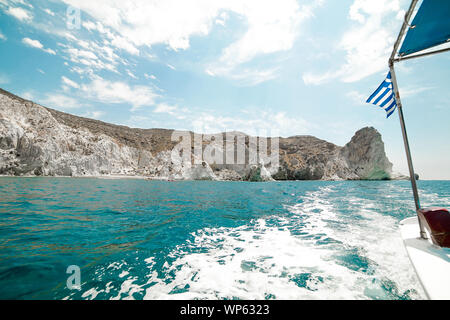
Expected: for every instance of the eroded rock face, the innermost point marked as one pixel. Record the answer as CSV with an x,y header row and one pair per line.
x,y
35,140
366,157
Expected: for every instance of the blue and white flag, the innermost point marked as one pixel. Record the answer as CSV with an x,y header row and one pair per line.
x,y
384,96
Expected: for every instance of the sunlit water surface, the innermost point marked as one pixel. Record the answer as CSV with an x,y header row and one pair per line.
x,y
137,239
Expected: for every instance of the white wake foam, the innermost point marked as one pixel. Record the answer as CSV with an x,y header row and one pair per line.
x,y
261,261
297,256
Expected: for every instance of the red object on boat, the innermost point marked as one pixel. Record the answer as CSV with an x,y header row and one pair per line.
x,y
437,221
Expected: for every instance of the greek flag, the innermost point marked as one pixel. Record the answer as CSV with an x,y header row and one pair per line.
x,y
384,96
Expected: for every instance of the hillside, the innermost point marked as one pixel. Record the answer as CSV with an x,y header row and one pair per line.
x,y
39,141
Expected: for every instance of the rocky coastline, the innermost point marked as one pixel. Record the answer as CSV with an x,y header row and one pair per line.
x,y
38,141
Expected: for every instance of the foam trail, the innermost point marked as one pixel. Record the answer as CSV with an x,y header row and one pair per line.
x,y
328,246
299,258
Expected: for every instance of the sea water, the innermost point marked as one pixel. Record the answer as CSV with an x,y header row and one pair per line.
x,y
140,239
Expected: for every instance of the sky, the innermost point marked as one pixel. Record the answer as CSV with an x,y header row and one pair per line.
x,y
272,68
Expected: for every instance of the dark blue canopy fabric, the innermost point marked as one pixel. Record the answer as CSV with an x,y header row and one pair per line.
x,y
430,27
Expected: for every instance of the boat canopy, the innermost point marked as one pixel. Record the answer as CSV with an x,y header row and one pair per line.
x,y
429,28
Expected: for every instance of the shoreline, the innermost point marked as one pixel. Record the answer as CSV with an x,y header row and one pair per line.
x,y
129,177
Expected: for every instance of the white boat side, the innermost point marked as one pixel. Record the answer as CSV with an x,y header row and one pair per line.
x,y
432,263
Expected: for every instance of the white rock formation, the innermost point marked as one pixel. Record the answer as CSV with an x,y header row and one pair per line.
x,y
38,141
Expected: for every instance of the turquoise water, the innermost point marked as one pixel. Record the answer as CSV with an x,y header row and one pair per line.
x,y
137,239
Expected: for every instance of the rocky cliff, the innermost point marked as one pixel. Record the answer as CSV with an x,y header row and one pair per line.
x,y
38,141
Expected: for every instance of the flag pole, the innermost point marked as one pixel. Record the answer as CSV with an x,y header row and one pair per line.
x,y
412,174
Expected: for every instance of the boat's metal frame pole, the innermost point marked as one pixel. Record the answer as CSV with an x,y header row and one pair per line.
x,y
421,55
405,25
412,174
407,149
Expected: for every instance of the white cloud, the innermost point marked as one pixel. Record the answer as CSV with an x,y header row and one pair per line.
x,y
222,20
357,97
88,61
316,79
131,74
93,114
18,2
272,26
368,43
20,14
33,43
122,43
77,54
150,76
70,83
51,51
113,39
261,124
412,91
2,36
174,111
265,123
50,12
91,55
119,92
246,76
89,25
143,22
165,108
37,44
27,95
60,101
